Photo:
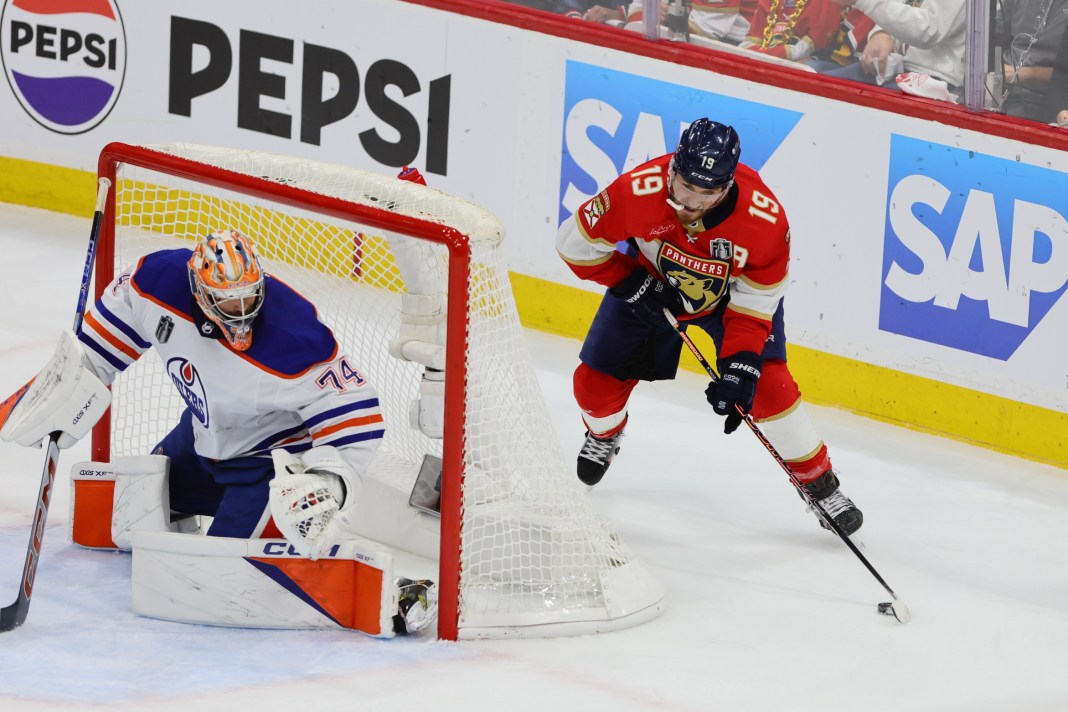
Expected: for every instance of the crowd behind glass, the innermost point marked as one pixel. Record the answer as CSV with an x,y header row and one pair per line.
x,y
912,46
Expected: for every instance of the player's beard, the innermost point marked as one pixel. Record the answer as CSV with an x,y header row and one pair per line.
x,y
687,216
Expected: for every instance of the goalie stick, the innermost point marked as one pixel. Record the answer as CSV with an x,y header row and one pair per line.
x,y
14,615
895,607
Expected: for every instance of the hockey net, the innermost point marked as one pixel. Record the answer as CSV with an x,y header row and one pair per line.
x,y
524,553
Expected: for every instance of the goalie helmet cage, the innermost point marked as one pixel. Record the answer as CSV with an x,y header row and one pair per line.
x,y
523,551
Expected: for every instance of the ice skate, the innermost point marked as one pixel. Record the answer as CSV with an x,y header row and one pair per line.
x,y
596,455
417,606
825,490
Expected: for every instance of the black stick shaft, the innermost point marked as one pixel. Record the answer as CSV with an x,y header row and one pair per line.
x,y
12,616
778,458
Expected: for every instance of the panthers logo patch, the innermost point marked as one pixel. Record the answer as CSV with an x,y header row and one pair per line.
x,y
701,281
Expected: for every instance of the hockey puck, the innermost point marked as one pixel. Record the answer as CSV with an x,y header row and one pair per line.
x,y
897,609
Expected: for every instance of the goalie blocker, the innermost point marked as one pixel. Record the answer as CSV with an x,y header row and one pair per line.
x,y
66,397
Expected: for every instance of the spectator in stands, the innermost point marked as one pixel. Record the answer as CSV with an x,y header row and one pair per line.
x,y
1029,33
928,36
604,11
820,33
722,20
1057,91
847,46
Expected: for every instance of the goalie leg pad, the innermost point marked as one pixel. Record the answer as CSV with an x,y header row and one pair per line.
x,y
263,583
110,501
142,499
383,513
92,493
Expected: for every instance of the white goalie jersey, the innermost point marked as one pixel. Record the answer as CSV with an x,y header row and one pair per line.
x,y
292,388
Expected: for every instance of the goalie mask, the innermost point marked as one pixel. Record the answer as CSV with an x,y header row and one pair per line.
x,y
227,283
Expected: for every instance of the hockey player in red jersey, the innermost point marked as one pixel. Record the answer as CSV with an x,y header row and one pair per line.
x,y
699,233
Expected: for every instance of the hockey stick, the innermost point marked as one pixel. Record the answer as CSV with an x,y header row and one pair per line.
x,y
896,607
14,615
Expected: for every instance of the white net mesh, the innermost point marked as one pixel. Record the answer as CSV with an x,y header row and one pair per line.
x,y
536,557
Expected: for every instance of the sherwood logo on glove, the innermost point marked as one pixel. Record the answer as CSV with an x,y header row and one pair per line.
x,y
975,250
739,366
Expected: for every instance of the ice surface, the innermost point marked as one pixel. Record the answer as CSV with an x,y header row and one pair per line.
x,y
766,611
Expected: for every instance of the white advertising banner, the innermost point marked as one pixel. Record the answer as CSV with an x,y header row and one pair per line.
x,y
917,246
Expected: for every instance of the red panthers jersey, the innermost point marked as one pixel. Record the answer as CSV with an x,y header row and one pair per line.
x,y
740,247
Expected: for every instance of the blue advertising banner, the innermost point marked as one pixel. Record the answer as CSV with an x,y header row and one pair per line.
x,y
614,121
975,250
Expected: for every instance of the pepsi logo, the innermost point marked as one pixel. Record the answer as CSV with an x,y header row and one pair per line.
x,y
65,60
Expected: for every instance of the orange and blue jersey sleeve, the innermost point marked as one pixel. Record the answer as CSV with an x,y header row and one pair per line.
x,y
344,412
345,423
109,334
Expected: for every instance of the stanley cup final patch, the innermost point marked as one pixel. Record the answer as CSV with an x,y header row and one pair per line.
x,y
164,329
721,249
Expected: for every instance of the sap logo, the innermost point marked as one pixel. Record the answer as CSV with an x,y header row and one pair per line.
x,y
608,128
328,85
975,252
190,386
65,61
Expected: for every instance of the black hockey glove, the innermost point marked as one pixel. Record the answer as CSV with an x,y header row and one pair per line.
x,y
647,296
738,375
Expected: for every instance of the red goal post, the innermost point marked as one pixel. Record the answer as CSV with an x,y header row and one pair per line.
x,y
523,551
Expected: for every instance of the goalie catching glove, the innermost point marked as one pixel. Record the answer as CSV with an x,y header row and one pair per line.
x,y
312,498
66,397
